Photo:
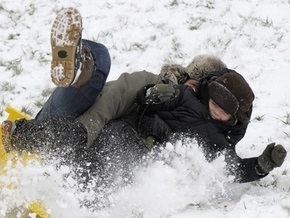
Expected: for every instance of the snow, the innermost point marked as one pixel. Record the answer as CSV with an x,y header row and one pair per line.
x,y
251,37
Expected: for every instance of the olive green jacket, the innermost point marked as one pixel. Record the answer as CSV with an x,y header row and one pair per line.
x,y
115,100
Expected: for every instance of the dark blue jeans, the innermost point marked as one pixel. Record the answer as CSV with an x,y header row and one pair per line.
x,y
71,102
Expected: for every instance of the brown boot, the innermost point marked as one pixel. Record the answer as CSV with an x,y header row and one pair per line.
x,y
87,66
8,127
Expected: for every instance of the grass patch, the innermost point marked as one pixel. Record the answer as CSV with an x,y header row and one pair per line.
x,y
7,87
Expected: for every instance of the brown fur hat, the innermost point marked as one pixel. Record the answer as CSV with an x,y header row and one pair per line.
x,y
199,66
203,64
232,93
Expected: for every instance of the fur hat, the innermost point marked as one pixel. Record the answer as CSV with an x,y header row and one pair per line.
x,y
203,64
232,93
199,66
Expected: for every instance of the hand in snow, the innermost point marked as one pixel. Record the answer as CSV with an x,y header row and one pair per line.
x,y
273,156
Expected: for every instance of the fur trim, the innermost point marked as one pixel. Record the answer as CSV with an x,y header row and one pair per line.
x,y
199,66
203,64
173,73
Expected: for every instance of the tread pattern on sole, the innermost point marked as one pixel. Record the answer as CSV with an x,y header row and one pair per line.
x,y
65,43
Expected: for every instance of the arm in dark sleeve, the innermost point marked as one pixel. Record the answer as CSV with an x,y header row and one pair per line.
x,y
244,170
155,127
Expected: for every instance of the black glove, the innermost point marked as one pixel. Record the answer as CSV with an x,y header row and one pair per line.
x,y
273,156
156,128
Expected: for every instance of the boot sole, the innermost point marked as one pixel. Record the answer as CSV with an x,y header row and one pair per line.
x,y
65,41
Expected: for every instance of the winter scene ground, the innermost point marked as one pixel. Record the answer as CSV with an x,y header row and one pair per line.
x,y
250,36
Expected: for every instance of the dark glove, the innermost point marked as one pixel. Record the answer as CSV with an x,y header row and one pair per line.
x,y
156,94
156,128
161,93
273,156
141,94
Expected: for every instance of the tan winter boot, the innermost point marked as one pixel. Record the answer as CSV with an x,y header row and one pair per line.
x,y
66,45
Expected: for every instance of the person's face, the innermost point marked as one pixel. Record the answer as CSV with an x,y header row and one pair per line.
x,y
218,113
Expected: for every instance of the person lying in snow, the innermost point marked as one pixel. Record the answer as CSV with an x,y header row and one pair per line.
x,y
83,93
216,111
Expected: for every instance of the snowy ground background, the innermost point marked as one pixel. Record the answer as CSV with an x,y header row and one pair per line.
x,y
251,36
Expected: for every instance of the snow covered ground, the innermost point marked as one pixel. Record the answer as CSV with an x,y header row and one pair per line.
x,y
251,36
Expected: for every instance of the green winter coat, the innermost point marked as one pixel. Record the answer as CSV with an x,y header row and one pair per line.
x,y
115,100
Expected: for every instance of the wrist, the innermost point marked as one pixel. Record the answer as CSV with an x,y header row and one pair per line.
x,y
259,171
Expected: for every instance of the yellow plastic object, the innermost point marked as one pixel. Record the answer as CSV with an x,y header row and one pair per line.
x,y
14,114
3,155
35,207
39,209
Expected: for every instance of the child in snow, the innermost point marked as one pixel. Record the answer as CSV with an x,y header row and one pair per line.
x,y
82,92
215,110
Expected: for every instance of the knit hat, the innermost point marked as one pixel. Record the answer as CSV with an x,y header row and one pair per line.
x,y
232,93
198,67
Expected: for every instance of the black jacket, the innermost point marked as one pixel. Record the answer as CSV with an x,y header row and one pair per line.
x,y
188,113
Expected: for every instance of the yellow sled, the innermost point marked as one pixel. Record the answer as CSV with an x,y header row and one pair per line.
x,y
35,207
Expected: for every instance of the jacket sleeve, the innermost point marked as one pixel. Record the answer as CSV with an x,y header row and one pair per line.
x,y
244,170
116,99
155,128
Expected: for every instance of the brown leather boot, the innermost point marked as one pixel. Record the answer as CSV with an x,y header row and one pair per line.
x,y
8,127
87,66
